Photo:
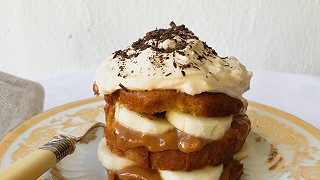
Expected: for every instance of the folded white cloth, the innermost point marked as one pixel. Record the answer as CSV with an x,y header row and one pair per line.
x,y
20,99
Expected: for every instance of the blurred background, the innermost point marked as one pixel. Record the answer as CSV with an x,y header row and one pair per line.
x,y
44,38
59,44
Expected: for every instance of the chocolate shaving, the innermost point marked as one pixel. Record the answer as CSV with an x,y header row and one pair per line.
x,y
172,24
185,66
183,73
152,40
95,89
181,53
174,64
168,74
124,88
200,57
160,35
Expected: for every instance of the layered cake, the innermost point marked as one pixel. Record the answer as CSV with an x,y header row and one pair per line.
x,y
174,109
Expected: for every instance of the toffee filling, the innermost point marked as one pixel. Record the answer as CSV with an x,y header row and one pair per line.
x,y
176,139
231,170
173,139
134,172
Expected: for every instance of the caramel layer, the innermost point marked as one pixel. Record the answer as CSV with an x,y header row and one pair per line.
x,y
231,170
176,139
134,172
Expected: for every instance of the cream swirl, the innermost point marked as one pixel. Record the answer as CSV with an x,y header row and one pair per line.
x,y
172,58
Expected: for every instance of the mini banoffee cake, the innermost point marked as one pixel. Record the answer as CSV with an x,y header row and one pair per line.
x,y
174,109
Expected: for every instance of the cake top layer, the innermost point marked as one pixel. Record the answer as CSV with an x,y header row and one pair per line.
x,y
172,58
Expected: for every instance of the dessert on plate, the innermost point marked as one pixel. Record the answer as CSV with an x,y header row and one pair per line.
x,y
174,109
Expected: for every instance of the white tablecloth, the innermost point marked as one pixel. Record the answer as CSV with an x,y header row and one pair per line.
x,y
296,94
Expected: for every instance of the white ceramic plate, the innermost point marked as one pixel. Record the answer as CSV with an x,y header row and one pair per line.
x,y
281,146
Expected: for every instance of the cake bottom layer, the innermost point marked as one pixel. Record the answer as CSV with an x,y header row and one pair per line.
x,y
122,168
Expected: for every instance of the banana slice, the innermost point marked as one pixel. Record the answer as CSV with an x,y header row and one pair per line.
x,y
110,160
138,122
207,173
243,153
211,128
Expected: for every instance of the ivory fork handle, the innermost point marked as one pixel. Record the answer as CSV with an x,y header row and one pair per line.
x,y
38,162
30,167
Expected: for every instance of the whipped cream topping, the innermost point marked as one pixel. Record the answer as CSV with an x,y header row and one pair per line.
x,y
172,58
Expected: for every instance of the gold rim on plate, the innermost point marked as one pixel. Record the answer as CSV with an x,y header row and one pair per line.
x,y
11,136
280,128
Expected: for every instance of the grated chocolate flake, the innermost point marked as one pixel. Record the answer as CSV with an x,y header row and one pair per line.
x,y
160,35
123,87
200,57
178,34
95,89
172,24
174,64
181,53
185,66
